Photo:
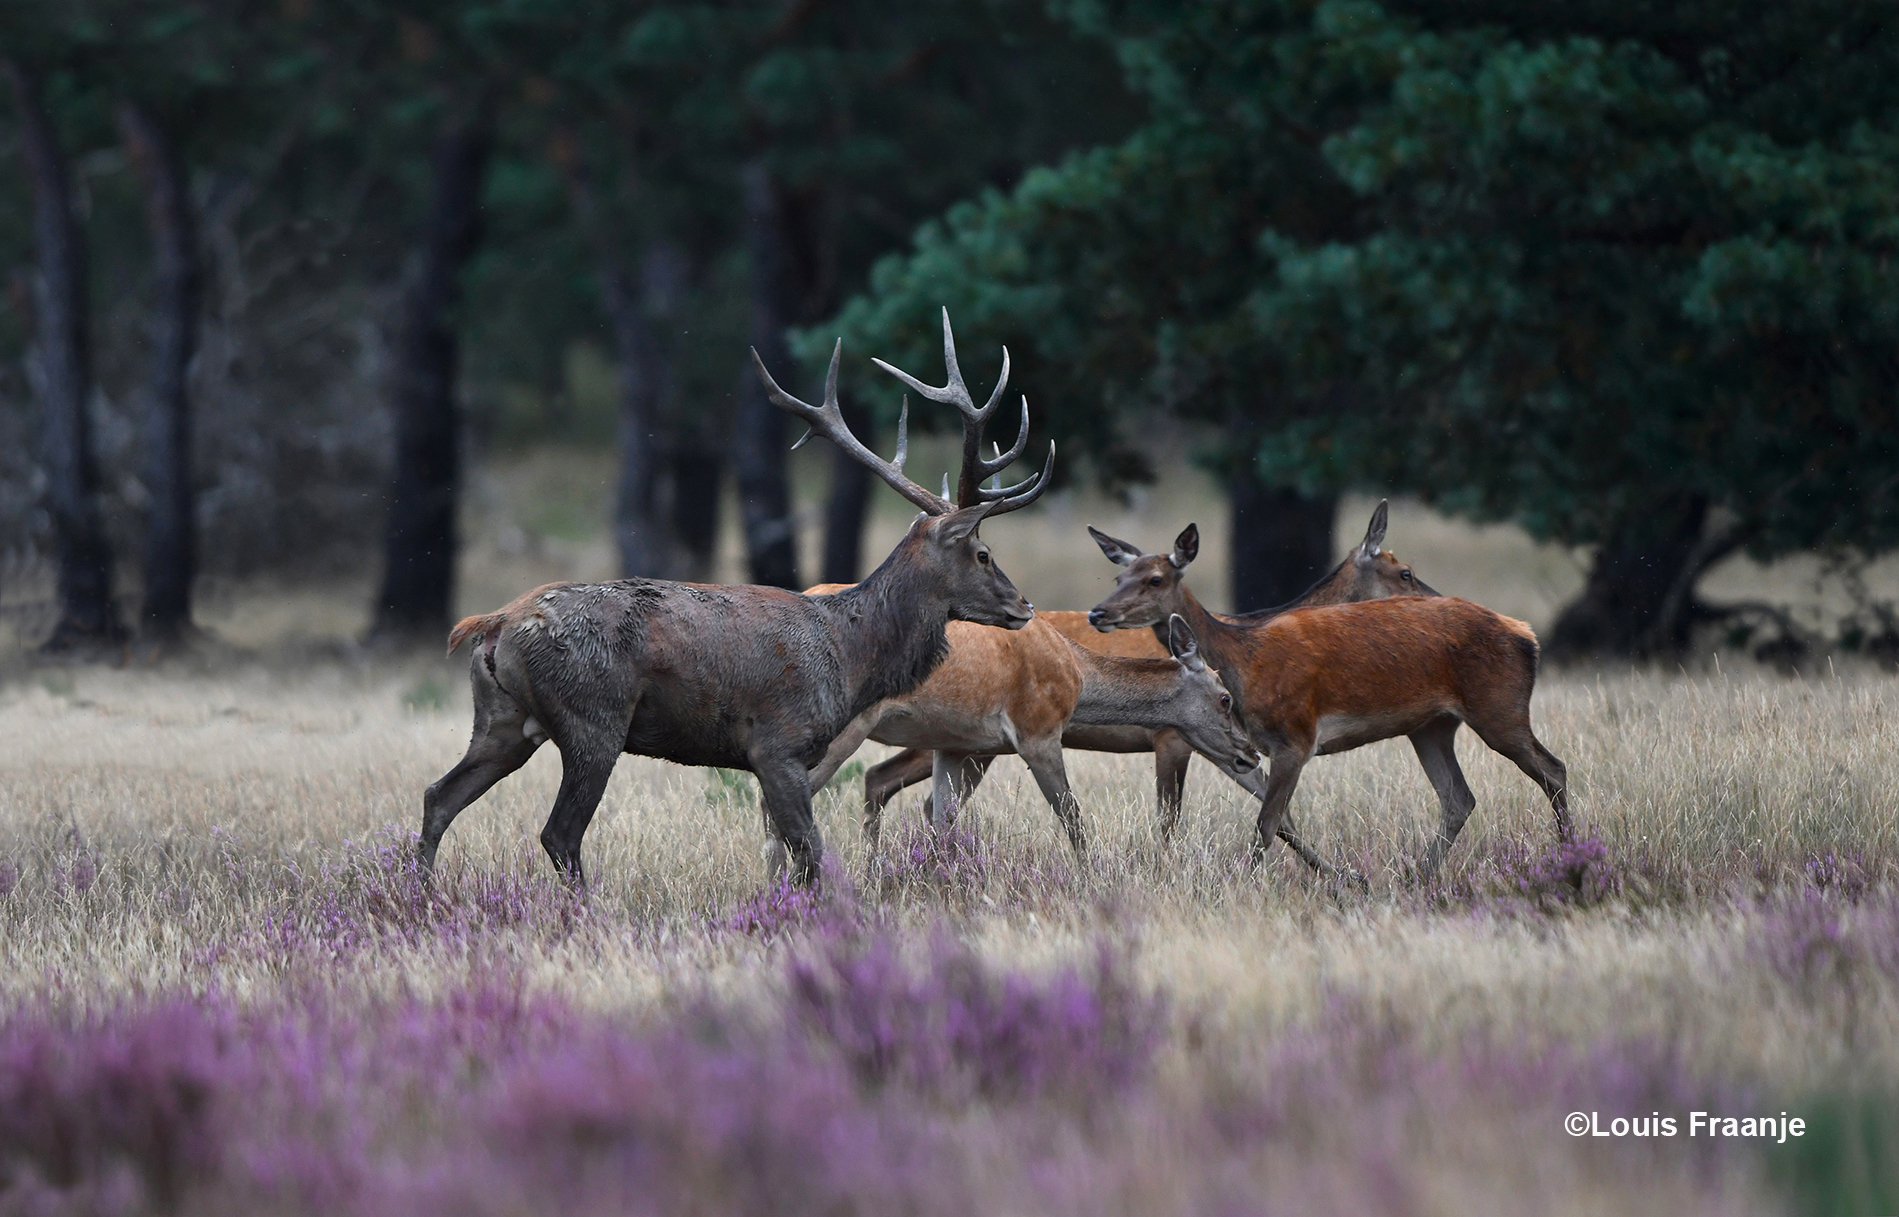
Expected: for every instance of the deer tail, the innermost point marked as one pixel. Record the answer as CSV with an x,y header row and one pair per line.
x,y
485,623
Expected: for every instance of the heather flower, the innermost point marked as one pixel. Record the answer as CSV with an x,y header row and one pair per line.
x,y
1577,873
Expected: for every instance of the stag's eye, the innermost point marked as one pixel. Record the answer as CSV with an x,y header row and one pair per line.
x,y
1405,575
1155,581
982,556
1226,701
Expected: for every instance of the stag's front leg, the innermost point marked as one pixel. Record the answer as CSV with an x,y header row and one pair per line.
x,y
842,748
786,787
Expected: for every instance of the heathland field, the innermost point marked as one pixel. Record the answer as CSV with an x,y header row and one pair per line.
x,y
225,990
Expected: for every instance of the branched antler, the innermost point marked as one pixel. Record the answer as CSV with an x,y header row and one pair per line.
x,y
827,420
970,490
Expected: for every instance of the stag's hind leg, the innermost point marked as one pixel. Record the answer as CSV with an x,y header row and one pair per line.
x,y
1435,744
586,764
503,739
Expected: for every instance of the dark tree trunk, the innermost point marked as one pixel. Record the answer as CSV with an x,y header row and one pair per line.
x,y
1281,542
63,376
419,549
640,526
696,471
764,495
1638,598
170,557
850,499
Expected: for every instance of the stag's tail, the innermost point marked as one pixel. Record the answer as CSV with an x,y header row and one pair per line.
x,y
485,623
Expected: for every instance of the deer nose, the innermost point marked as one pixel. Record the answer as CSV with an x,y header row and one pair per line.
x,y
1095,617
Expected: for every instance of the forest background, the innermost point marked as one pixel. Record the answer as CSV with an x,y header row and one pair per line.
x,y
281,278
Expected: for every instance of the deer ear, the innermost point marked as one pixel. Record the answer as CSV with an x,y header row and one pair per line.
x,y
1186,547
1375,534
1181,643
1119,552
958,525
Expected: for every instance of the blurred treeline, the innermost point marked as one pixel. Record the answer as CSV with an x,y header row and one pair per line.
x,y
1618,272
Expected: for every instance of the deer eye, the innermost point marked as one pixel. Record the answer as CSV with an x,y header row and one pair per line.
x,y
1155,581
982,556
1226,701
1405,575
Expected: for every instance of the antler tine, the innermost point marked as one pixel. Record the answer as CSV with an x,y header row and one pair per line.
x,y
827,420
1006,498
955,392
1024,492
1002,460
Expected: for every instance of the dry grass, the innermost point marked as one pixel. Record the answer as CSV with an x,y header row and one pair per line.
x,y
1699,787
159,827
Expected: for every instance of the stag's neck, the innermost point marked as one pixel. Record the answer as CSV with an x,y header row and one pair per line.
x,y
1121,692
891,633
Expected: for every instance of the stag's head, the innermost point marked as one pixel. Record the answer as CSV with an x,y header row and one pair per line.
x,y
943,542
1148,590
1208,720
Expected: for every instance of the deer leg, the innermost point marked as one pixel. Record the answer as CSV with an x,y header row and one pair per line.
x,y
841,749
883,780
499,745
1172,752
1435,744
585,767
1254,783
787,788
953,775
1044,759
490,758
1287,761
967,781
1527,753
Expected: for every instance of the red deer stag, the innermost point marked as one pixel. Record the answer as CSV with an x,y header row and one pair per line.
x,y
1329,679
740,677
1368,572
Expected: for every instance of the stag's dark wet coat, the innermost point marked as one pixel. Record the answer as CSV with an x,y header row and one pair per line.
x,y
740,677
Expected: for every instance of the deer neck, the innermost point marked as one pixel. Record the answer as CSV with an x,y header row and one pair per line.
x,y
1122,692
891,631
1222,639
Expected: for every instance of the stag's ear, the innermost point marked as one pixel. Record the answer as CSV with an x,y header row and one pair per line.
x,y
1181,643
1186,547
1119,552
958,525
1374,535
